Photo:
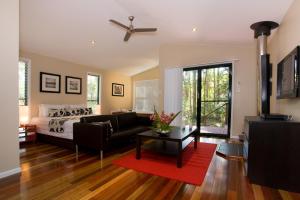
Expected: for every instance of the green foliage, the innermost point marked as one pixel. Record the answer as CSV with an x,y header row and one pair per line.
x,y
22,83
190,83
93,91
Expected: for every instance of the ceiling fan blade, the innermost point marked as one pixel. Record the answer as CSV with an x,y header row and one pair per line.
x,y
118,23
127,36
145,29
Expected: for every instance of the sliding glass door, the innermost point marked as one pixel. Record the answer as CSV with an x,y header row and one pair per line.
x,y
207,99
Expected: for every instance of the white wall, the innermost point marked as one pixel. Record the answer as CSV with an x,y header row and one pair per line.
x,y
283,41
244,102
40,63
9,54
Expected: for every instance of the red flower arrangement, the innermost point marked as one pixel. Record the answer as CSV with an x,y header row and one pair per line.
x,y
161,122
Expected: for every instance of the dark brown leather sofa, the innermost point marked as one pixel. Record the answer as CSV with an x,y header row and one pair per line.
x,y
92,134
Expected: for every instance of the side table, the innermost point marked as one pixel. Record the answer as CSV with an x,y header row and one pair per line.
x,y
27,133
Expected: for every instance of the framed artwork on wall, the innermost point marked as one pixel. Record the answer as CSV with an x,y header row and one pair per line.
x,y
118,89
49,82
73,85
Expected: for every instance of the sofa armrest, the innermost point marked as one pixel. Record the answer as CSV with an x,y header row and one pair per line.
x,y
90,135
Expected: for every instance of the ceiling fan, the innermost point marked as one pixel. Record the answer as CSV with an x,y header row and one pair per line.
x,y
130,29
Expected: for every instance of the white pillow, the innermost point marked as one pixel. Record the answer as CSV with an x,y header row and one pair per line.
x,y
77,106
44,108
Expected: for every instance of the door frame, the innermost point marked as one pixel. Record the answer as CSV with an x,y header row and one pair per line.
x,y
199,69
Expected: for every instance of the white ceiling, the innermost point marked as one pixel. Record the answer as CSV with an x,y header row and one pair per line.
x,y
64,28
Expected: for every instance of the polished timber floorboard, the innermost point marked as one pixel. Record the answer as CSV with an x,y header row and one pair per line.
x,y
50,172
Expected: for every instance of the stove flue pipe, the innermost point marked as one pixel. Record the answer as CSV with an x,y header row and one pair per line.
x,y
261,32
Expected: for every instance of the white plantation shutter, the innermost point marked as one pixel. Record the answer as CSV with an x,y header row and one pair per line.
x,y
173,93
146,95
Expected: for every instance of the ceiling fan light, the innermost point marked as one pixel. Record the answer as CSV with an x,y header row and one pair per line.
x,y
194,29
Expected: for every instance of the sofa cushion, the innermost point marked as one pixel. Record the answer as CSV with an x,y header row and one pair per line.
x,y
102,118
127,120
129,132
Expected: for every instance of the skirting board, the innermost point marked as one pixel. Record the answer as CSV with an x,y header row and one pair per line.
x,y
10,172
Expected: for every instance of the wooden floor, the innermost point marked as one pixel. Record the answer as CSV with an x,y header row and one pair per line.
x,y
50,172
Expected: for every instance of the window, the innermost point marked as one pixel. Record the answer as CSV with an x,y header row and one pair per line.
x,y
93,88
23,83
146,95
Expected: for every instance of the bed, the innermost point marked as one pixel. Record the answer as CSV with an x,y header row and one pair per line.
x,y
62,138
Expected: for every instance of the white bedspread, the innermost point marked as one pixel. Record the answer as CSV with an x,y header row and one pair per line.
x,y
43,128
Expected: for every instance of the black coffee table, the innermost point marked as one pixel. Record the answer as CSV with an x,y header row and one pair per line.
x,y
173,144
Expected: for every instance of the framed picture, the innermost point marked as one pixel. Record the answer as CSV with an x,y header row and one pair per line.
x,y
49,82
73,85
117,90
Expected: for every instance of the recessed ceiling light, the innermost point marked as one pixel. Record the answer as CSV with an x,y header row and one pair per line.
x,y
93,42
194,29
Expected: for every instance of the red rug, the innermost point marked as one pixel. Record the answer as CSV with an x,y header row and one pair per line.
x,y
193,171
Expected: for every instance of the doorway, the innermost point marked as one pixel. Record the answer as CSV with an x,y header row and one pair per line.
x,y
207,99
